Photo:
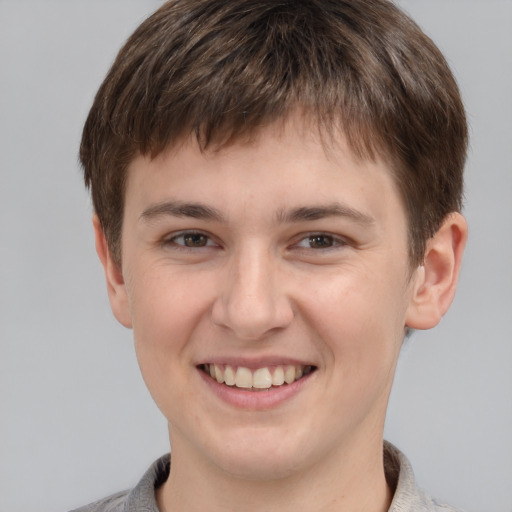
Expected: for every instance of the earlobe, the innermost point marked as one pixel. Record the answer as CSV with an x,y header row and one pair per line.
x,y
435,281
116,287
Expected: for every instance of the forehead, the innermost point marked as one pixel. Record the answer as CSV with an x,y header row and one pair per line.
x,y
283,167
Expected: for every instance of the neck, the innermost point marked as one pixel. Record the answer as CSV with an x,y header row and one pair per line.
x,y
348,480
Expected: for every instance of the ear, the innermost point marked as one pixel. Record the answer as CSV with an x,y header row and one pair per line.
x,y
435,281
115,282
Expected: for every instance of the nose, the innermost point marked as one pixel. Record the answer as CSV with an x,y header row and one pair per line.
x,y
252,300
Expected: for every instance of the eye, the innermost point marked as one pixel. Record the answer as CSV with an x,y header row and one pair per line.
x,y
320,241
191,239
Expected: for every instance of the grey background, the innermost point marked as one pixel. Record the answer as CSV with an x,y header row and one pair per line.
x,y
76,422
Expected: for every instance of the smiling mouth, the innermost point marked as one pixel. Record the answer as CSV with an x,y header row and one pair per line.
x,y
259,379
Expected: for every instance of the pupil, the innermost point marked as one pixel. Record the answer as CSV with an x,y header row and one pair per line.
x,y
320,241
195,240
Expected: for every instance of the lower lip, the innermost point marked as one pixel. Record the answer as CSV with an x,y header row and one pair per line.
x,y
255,400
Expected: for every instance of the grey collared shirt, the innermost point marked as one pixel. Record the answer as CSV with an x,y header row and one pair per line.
x,y
408,497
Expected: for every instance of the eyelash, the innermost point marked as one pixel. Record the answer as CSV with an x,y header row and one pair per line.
x,y
334,241
172,241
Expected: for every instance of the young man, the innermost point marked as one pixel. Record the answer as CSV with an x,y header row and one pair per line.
x,y
277,188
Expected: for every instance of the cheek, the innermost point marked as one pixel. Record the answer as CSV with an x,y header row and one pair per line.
x,y
167,310
360,317
355,320
165,305
165,317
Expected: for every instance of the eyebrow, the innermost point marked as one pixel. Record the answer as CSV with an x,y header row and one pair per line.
x,y
179,209
300,214
311,213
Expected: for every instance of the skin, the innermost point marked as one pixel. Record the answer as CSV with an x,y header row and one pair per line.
x,y
263,283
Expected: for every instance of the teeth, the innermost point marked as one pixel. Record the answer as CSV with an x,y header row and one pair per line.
x,y
289,374
229,376
278,377
261,378
219,375
243,378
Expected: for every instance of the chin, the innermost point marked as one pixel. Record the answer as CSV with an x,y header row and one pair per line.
x,y
265,467
260,456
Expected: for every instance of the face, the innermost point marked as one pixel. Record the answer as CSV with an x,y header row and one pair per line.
x,y
250,266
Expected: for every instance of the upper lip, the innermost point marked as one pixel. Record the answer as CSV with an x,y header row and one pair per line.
x,y
254,363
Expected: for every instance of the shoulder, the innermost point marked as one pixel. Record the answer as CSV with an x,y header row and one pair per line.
x,y
439,507
139,499
114,503
408,497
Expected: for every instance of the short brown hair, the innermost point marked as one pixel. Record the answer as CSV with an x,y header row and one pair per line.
x,y
223,69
